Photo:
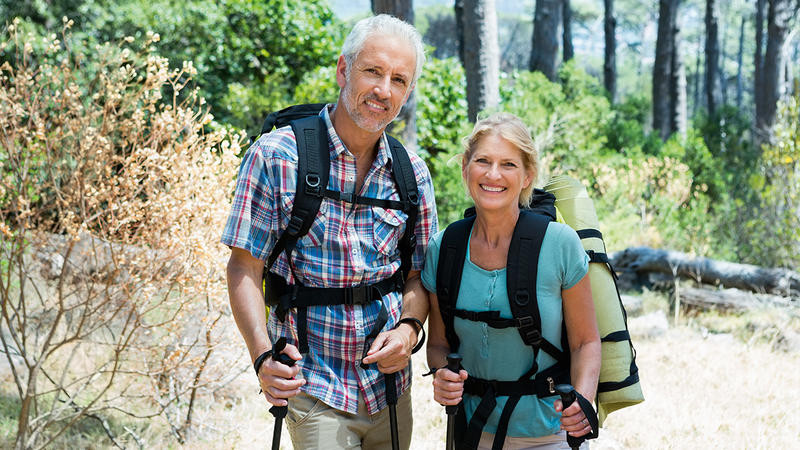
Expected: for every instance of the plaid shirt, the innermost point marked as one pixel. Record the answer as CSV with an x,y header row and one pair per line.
x,y
347,245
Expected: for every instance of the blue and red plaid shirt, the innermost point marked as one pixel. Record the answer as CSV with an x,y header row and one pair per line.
x,y
347,245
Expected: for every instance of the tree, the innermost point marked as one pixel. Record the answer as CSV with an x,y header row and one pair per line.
x,y
544,46
113,195
610,60
566,34
779,15
481,56
711,55
739,57
663,82
403,10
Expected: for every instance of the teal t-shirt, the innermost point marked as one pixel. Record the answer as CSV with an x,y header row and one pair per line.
x,y
500,354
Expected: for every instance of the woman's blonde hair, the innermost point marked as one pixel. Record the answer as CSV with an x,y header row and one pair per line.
x,y
512,129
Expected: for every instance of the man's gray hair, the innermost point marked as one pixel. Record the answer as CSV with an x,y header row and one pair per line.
x,y
384,25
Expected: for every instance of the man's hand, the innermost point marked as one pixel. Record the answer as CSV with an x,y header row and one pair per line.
x,y
277,379
392,349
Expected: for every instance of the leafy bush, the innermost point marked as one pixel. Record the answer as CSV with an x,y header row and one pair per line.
x,y
112,195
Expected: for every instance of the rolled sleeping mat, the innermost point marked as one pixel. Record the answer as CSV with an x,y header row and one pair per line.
x,y
619,380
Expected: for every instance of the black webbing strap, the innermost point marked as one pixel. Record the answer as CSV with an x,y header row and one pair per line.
x,y
633,378
493,319
403,173
589,233
452,253
541,385
502,423
313,164
617,336
521,272
349,197
380,322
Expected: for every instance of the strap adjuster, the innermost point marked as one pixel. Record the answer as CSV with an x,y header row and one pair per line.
x,y
533,338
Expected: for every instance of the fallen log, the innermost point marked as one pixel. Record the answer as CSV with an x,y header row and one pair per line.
x,y
638,262
725,299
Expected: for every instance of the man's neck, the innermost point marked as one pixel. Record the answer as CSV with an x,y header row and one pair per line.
x,y
359,142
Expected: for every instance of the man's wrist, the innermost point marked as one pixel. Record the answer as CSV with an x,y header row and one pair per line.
x,y
416,327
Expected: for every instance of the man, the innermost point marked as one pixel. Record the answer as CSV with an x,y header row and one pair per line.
x,y
336,401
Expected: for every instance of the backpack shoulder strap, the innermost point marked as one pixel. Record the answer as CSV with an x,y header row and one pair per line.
x,y
313,166
403,173
521,272
452,253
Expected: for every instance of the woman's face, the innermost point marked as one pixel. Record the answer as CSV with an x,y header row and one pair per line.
x,y
495,174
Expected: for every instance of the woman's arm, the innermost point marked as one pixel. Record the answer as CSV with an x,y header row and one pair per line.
x,y
584,346
448,387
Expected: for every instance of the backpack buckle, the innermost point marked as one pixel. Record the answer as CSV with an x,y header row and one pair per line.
x,y
357,295
413,198
533,338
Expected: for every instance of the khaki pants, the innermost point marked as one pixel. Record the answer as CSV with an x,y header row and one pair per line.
x,y
556,441
314,425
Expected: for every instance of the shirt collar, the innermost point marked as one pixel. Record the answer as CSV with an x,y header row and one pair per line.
x,y
382,158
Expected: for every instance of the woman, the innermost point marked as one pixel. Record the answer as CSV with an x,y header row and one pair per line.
x,y
499,166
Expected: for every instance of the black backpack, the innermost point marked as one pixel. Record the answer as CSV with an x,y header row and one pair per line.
x,y
521,270
313,166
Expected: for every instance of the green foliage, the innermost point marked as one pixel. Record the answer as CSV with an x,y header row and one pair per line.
x,y
568,120
318,86
441,124
775,226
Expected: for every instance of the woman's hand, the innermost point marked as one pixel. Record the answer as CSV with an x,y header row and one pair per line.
x,y
573,420
448,387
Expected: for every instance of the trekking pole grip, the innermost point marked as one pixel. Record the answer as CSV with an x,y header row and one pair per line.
x,y
568,395
280,411
453,365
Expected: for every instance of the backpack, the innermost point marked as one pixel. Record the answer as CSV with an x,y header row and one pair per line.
x,y
313,166
521,270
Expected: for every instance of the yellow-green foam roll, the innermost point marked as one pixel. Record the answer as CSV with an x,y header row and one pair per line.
x,y
619,382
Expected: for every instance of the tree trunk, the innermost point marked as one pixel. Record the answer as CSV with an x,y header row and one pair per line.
x,y
610,60
544,47
481,56
712,55
758,60
458,8
403,10
723,56
739,82
696,81
569,51
778,17
662,68
677,88
641,261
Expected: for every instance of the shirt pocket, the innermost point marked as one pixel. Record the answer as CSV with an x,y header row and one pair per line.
x,y
316,234
388,226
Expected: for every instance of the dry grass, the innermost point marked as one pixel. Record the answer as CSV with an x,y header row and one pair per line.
x,y
701,390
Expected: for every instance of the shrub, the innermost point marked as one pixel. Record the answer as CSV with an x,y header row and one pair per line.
x,y
112,195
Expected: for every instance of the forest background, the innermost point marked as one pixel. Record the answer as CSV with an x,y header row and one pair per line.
x,y
123,122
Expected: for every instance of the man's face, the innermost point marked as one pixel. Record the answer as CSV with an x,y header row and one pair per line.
x,y
378,83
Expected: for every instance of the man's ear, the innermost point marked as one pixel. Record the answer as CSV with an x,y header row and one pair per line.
x,y
410,91
341,71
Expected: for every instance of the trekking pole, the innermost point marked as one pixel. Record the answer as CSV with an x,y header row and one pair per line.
x,y
391,400
568,395
453,365
279,412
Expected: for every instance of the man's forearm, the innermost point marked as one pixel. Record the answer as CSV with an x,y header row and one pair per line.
x,y
247,306
415,301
